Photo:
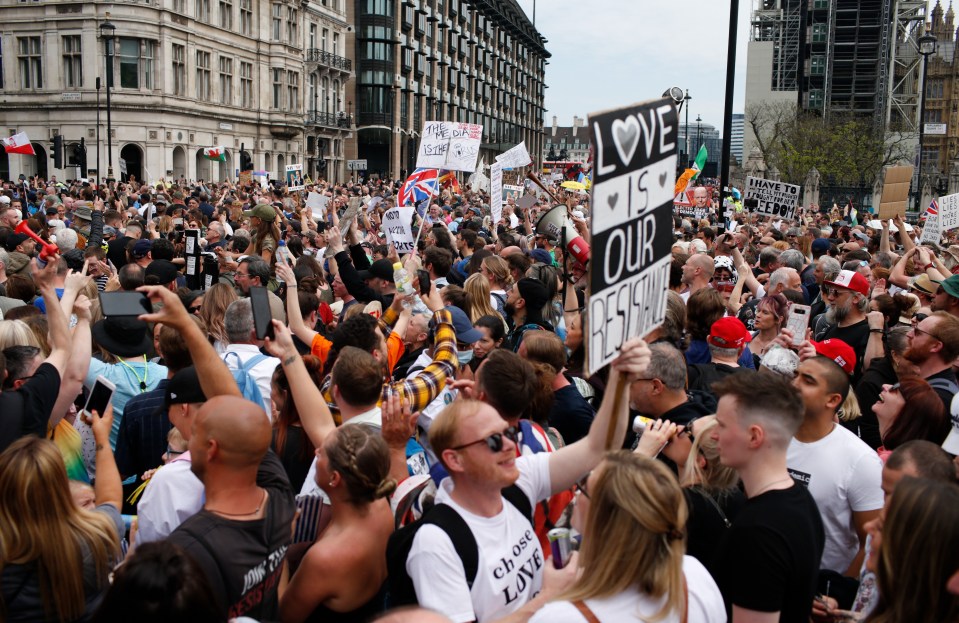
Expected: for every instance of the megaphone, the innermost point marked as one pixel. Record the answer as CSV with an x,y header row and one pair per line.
x,y
47,250
556,224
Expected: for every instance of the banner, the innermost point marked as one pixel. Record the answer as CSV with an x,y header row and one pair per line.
x,y
449,145
634,177
398,225
515,157
948,213
777,199
294,177
496,192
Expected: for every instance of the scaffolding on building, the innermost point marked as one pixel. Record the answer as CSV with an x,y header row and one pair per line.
x,y
902,112
780,21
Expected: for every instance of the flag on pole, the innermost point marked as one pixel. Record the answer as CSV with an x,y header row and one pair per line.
x,y
448,180
683,180
933,209
18,144
217,153
700,162
419,186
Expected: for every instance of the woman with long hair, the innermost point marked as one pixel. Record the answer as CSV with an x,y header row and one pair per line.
x,y
494,332
290,441
914,552
215,303
342,575
907,410
55,558
478,298
632,516
496,271
771,315
266,232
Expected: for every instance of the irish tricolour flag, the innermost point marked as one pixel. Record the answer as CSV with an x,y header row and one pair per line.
x,y
215,153
18,144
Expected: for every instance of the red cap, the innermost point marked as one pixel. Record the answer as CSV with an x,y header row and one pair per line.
x,y
851,280
728,332
838,351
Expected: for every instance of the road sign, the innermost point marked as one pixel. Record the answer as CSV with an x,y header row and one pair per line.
x,y
935,129
356,165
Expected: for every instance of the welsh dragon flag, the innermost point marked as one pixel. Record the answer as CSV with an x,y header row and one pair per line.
x,y
692,173
215,153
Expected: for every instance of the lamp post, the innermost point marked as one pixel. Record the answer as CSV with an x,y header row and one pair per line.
x,y
689,158
107,33
99,170
699,132
927,47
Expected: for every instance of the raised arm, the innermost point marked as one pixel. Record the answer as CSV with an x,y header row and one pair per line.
x,y
60,341
215,377
108,488
293,315
80,354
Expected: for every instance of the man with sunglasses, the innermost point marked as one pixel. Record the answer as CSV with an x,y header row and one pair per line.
x,y
933,347
848,299
478,449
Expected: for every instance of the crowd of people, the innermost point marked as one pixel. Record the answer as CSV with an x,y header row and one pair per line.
x,y
783,447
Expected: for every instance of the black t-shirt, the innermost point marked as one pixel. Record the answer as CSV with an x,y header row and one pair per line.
x,y
701,376
571,415
769,558
705,527
944,382
26,411
243,559
857,336
879,373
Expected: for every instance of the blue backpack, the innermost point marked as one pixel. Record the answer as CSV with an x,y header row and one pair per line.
x,y
244,379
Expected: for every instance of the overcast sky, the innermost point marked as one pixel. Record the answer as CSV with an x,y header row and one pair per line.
x,y
609,53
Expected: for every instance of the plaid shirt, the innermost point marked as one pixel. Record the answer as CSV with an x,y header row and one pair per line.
x,y
425,386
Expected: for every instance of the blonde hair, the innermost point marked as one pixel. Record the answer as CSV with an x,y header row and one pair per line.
x,y
443,430
635,534
216,300
715,477
40,523
499,268
477,297
17,333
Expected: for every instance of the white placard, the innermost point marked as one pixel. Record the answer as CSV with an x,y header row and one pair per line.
x,y
449,145
777,199
294,177
496,191
317,204
398,225
948,212
515,157
931,233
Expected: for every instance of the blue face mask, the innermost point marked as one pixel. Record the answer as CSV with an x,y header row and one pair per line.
x,y
464,356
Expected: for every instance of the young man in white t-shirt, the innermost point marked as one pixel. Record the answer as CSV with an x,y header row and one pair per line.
x,y
843,474
478,449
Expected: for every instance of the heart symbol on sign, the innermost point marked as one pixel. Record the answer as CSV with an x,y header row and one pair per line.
x,y
662,178
626,138
611,200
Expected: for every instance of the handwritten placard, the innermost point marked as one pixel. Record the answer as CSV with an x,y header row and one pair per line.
x,y
449,145
777,199
398,224
496,192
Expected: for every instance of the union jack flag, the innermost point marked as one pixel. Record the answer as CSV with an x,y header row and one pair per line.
x,y
419,187
933,209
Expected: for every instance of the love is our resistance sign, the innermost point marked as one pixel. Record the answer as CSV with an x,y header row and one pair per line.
x,y
634,179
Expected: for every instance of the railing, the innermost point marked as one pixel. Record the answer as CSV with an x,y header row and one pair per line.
x,y
315,55
328,119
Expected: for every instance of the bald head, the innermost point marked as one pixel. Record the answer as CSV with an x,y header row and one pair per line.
x,y
704,263
239,427
507,251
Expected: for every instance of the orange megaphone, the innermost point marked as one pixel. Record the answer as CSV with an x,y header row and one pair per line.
x,y
47,250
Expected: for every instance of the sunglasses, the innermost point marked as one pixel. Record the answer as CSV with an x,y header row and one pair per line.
x,y
831,291
688,430
494,441
894,389
581,486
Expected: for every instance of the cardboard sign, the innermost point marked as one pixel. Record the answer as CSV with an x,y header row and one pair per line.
x,y
527,201
632,226
948,213
398,225
317,204
246,178
294,177
449,145
776,199
515,157
895,191
496,192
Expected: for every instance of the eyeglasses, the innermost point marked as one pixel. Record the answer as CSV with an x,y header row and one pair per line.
x,y
916,329
171,452
919,318
581,486
831,291
894,389
688,430
494,441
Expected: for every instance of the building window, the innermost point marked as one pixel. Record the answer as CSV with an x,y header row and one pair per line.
x,y
292,28
179,6
817,65
323,39
226,80
312,36
336,43
246,17
325,94
379,51
1,64
820,4
136,63
203,11
380,7
293,91
311,95
819,33
72,62
31,66
246,85
226,14
336,96
179,69
277,88
277,21
934,89
203,77
815,99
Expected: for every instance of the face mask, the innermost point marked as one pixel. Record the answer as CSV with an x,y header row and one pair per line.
x,y
464,356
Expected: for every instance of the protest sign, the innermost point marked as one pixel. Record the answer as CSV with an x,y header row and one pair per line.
x,y
777,199
398,225
948,213
930,232
527,201
895,191
496,192
317,204
294,177
449,145
515,157
632,225
246,178
512,191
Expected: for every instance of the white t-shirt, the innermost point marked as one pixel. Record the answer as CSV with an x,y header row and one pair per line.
x,y
510,567
844,475
372,418
173,495
705,603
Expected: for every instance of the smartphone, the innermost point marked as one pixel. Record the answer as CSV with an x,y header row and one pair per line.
x,y
124,304
262,318
424,278
798,322
100,396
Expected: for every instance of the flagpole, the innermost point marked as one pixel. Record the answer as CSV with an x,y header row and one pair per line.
x,y
429,200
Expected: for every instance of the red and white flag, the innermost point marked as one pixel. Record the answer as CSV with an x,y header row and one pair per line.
x,y
18,144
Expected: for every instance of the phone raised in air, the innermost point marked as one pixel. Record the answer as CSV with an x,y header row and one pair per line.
x,y
798,322
100,397
262,317
124,304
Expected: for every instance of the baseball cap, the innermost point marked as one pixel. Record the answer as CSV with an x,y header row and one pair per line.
x,y
820,245
262,211
141,248
951,444
533,292
728,332
184,388
950,285
15,240
163,271
851,280
465,332
838,351
541,255
4,199
381,269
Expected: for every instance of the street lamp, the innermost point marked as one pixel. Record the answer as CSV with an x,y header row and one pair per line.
x,y
699,132
107,33
927,47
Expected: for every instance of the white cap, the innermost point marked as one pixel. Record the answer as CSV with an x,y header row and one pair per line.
x,y
4,199
951,444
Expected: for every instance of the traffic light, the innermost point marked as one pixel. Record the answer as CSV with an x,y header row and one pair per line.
x,y
83,158
246,160
78,155
57,152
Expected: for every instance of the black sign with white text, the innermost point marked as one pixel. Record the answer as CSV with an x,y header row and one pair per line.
x,y
634,176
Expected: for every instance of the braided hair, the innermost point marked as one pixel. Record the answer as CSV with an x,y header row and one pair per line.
x,y
362,458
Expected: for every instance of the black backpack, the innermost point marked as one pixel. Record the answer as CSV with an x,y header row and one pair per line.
x,y
401,590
